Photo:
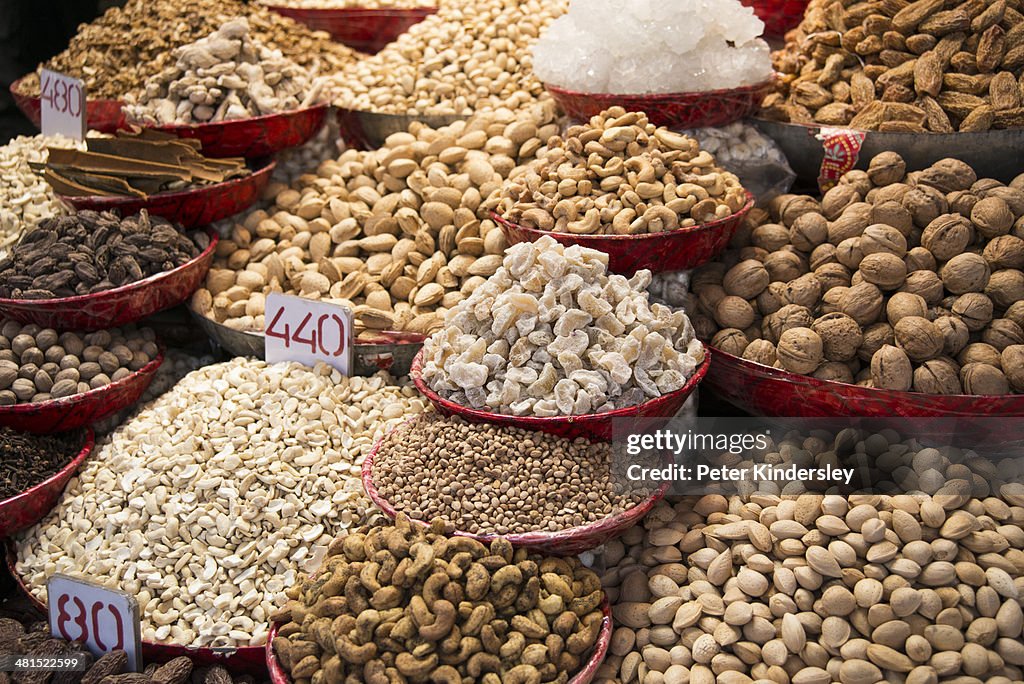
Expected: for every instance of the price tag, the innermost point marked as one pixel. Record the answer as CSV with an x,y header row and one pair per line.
x,y
102,619
308,331
63,105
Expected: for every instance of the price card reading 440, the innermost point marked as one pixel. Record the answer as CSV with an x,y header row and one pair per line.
x,y
308,331
102,619
62,101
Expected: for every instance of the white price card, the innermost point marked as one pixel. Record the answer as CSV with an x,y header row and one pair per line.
x,y
308,331
102,619
63,105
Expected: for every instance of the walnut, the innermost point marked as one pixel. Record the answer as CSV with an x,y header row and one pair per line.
x,y
804,291
920,259
746,279
731,341
734,312
927,284
849,254
788,317
800,350
711,273
858,179
888,193
841,337
891,369
708,297
975,309
788,208
1005,287
1014,198
749,253
1013,366
823,254
1002,333
983,379
947,236
882,238
850,224
1005,251
925,204
964,273
832,275
961,202
832,298
762,352
938,376
992,217
954,332
863,303
893,214
875,337
1016,313
903,304
834,371
770,299
808,231
784,266
887,168
703,326
836,200
979,352
948,175
885,270
770,237
919,338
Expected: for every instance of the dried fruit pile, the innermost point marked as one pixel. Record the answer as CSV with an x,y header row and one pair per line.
x,y
934,66
895,280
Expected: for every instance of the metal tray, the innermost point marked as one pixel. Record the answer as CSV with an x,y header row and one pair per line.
x,y
369,130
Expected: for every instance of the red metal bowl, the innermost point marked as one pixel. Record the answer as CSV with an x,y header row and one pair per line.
x,y
675,250
778,16
764,391
105,116
26,509
584,676
674,110
119,306
594,426
191,208
79,410
258,136
569,542
365,30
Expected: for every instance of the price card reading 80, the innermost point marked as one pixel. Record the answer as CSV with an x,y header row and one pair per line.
x,y
308,331
102,619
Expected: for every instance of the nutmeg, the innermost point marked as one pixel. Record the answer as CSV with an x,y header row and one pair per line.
x,y
926,284
892,214
804,291
731,341
975,309
800,350
834,371
964,273
992,217
1002,333
1013,366
954,332
1005,251
887,168
983,379
919,259
734,312
938,376
947,236
903,304
979,352
883,269
841,336
746,279
808,231
1005,287
788,317
891,369
919,338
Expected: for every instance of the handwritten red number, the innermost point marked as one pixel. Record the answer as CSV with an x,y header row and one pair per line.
x,y
63,618
120,628
311,340
286,335
96,608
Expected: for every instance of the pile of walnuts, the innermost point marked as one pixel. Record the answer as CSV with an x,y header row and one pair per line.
x,y
894,280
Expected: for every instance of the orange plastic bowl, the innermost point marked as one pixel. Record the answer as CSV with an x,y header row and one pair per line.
x,y
104,116
365,30
594,426
24,510
674,250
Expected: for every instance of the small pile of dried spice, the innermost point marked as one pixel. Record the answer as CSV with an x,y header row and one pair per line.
x,y
26,460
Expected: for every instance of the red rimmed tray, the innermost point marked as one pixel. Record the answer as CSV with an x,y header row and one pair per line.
x,y
246,659
568,542
591,426
105,116
764,391
674,110
255,137
674,250
26,509
584,676
119,306
779,16
79,410
362,29
191,208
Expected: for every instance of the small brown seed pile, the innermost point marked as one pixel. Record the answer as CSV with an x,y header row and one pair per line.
x,y
403,603
618,174
26,460
90,252
931,65
38,364
487,479
895,280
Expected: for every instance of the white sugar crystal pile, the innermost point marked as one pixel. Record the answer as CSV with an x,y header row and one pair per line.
x,y
652,46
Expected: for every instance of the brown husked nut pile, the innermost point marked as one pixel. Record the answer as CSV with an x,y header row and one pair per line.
x,y
470,56
125,48
815,589
895,280
405,604
401,234
486,479
934,66
618,174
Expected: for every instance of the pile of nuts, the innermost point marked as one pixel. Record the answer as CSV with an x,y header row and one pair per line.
x,y
935,66
218,496
25,198
91,252
618,174
353,4
224,76
400,234
126,47
485,479
470,56
894,280
402,603
39,364
916,587
28,459
551,333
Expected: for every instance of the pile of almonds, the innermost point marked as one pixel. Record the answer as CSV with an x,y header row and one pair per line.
x,y
894,280
934,66
400,234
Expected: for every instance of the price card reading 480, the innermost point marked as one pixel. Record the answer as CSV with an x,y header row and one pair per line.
x,y
102,619
62,100
308,331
